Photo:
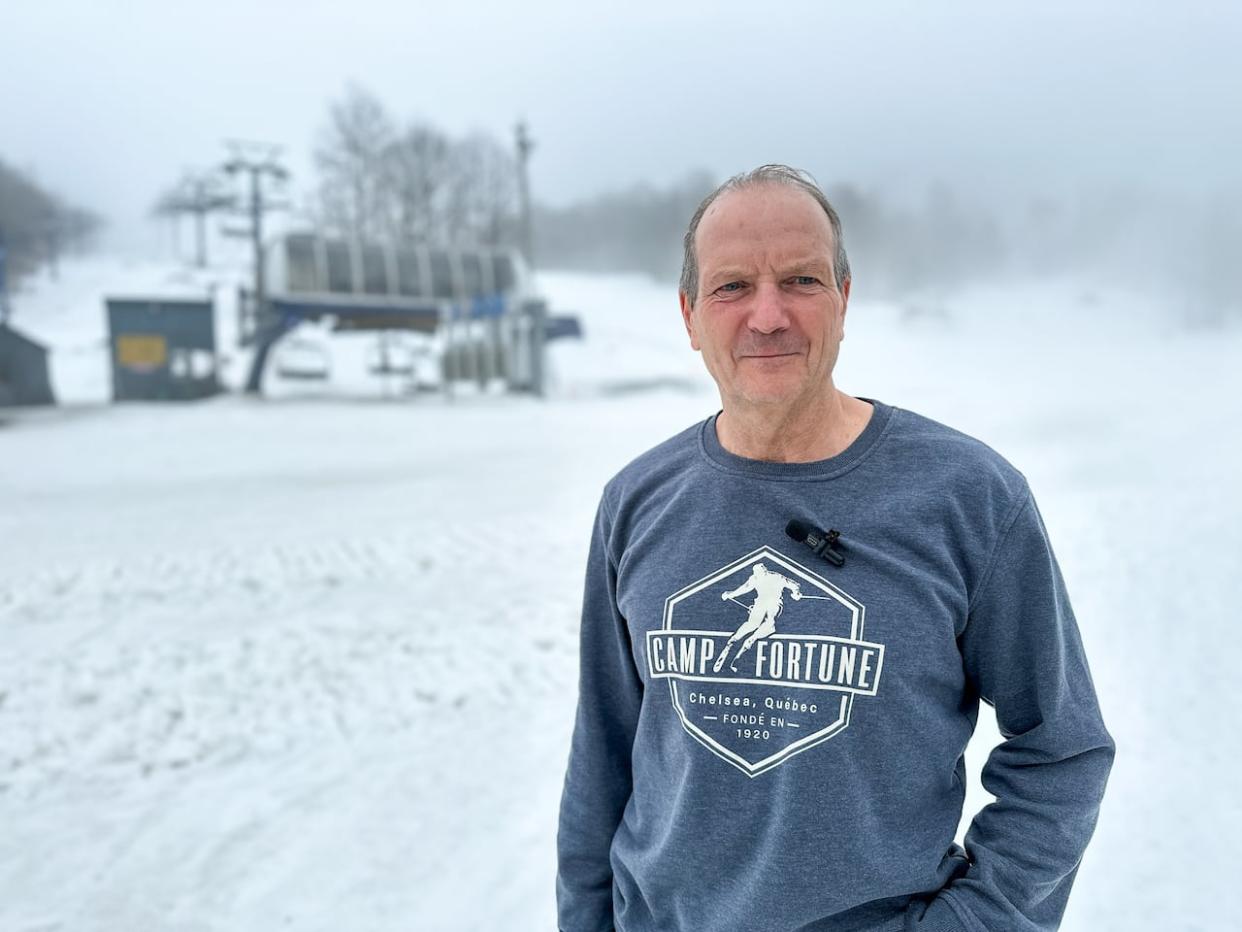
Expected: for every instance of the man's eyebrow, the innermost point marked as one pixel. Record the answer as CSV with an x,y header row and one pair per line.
x,y
810,262
729,273
805,264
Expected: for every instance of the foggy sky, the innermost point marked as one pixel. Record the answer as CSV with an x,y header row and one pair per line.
x,y
106,103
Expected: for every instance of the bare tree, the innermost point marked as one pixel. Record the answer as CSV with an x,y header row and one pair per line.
x,y
419,170
351,158
414,183
482,206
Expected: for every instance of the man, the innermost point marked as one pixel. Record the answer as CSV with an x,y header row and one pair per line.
x,y
818,786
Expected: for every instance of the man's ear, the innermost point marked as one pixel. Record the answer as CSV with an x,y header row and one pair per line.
x,y
845,303
687,318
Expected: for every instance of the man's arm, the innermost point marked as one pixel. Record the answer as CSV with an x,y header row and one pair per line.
x,y
1022,650
598,779
740,590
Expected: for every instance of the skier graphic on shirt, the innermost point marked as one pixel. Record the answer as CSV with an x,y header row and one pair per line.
x,y
769,588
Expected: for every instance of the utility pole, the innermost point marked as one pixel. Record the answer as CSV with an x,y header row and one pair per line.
x,y
531,323
524,146
258,162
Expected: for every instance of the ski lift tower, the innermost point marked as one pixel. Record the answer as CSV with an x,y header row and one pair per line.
x,y
259,163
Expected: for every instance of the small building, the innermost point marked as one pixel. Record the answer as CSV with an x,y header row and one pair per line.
x,y
162,349
23,370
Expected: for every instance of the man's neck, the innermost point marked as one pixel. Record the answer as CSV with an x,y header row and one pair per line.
x,y
801,434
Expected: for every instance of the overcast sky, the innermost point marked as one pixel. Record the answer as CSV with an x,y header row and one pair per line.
x,y
108,102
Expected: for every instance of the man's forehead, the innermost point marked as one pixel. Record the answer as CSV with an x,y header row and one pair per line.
x,y
744,225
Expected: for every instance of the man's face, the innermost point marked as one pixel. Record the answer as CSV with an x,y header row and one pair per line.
x,y
768,317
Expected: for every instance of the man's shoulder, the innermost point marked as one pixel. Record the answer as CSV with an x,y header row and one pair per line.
x,y
669,459
955,458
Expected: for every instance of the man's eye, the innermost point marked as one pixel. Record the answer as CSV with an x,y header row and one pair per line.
x,y
805,280
729,287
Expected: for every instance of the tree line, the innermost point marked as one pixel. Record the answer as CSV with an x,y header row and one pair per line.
x,y
640,229
36,226
1182,249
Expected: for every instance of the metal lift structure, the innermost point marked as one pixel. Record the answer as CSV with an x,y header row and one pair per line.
x,y
478,302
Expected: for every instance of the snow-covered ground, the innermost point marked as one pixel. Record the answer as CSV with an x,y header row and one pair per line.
x,y
310,662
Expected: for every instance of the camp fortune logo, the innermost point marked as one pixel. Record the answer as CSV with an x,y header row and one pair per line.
x,y
764,659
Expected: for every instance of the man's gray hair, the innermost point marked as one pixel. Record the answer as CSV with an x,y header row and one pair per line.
x,y
764,174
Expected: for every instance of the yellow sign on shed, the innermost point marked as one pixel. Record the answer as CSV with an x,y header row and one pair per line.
x,y
141,351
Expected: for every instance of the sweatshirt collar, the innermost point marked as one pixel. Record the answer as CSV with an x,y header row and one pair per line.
x,y
847,459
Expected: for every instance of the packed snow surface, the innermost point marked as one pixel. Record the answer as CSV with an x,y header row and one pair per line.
x,y
310,662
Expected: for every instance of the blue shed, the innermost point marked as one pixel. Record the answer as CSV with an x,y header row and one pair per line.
x,y
23,370
162,349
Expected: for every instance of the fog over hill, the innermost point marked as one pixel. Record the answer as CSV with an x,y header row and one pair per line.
x,y
1105,136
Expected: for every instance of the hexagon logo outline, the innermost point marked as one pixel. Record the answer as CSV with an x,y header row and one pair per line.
x,y
846,690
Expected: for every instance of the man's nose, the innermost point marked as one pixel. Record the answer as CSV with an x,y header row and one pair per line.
x,y
768,313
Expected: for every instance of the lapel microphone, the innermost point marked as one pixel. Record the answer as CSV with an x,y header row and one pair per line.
x,y
822,543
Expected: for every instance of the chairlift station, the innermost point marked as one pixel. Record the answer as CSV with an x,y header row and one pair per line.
x,y
477,306
479,303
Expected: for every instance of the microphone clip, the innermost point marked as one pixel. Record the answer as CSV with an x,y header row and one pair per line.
x,y
822,543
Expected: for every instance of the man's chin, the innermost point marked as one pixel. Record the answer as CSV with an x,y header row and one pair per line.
x,y
768,396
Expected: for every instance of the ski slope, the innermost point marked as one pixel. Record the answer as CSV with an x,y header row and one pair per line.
x,y
310,662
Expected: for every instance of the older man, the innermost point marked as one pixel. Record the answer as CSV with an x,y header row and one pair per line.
x,y
816,783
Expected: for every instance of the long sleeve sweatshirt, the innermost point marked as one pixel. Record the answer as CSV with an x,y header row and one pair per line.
x,y
767,741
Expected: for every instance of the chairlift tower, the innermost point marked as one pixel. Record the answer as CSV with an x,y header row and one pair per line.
x,y
198,195
258,162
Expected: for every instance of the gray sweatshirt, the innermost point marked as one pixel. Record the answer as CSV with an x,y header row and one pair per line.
x,y
767,741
